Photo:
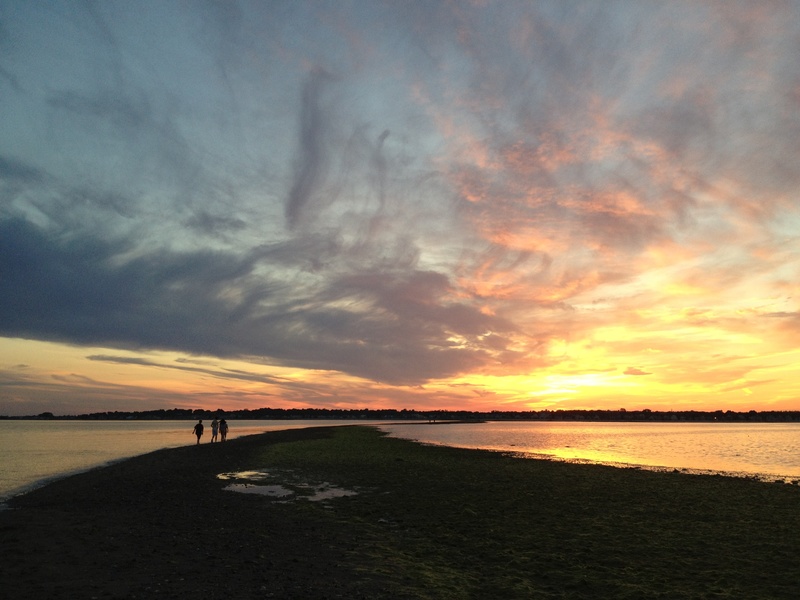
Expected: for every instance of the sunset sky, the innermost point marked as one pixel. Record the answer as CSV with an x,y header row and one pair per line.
x,y
421,204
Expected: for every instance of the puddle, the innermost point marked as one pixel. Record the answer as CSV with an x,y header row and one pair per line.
x,y
290,488
249,475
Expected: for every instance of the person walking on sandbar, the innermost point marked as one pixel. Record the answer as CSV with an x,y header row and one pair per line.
x,y
198,430
214,429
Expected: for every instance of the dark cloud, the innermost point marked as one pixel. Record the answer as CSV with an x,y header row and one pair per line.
x,y
125,360
70,289
215,224
12,170
311,160
218,373
393,328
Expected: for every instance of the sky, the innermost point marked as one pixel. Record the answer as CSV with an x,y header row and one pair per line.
x,y
478,205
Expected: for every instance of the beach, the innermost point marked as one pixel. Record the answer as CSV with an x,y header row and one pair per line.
x,y
346,512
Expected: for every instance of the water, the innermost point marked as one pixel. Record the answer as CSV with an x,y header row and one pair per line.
x,y
769,451
34,452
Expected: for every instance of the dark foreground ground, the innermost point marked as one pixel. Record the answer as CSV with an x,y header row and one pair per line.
x,y
426,522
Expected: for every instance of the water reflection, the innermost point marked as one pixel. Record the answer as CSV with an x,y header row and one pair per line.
x,y
769,451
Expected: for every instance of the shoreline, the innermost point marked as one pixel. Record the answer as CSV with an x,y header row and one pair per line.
x,y
762,477
769,477
417,521
23,470
20,473
8,496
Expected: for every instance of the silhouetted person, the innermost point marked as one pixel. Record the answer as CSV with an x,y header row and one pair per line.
x,y
214,429
223,429
198,430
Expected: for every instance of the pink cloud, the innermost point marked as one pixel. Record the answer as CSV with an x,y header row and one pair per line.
x,y
635,371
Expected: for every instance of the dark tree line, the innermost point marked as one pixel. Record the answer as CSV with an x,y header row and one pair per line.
x,y
277,414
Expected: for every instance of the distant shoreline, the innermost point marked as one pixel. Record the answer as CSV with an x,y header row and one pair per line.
x,y
277,414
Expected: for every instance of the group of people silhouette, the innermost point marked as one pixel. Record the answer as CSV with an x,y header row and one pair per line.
x,y
218,428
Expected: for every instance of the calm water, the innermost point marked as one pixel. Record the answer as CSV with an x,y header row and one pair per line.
x,y
32,452
35,451
767,450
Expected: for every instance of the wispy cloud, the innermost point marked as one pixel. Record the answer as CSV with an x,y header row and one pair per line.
x,y
454,196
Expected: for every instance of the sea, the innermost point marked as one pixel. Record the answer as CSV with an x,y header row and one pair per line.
x,y
34,452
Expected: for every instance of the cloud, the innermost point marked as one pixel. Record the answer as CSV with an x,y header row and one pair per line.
x,y
217,373
215,225
122,112
311,157
635,371
404,192
12,170
404,328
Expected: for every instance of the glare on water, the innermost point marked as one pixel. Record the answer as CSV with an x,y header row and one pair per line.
x,y
766,449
